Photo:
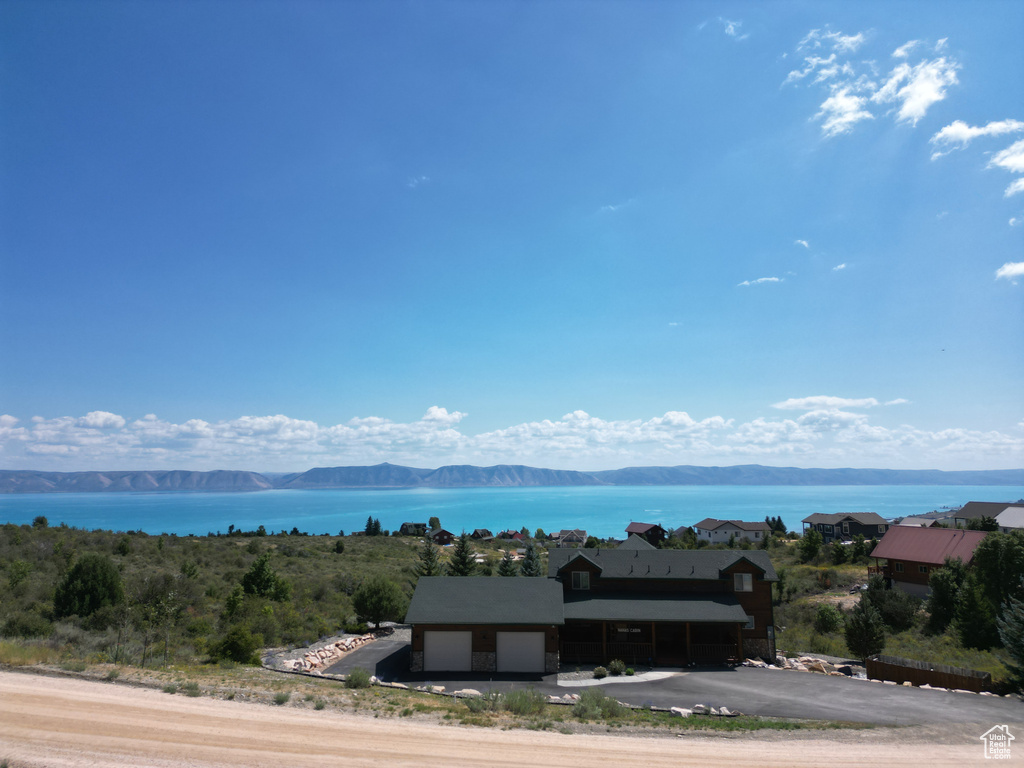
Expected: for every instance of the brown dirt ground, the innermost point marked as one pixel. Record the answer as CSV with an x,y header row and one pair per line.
x,y
63,722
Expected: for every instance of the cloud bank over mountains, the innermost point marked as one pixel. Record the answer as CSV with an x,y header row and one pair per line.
x,y
831,431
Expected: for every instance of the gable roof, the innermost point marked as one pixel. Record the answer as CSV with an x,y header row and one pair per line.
x,y
710,524
973,510
661,564
927,545
635,542
1011,517
864,518
485,600
641,527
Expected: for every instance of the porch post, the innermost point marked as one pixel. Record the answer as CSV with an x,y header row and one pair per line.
x,y
739,641
688,657
654,648
604,641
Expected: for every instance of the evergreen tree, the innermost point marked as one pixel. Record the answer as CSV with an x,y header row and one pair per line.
x,y
368,530
508,566
531,563
865,632
430,563
435,523
810,545
377,600
91,584
261,580
1011,632
974,616
945,584
461,562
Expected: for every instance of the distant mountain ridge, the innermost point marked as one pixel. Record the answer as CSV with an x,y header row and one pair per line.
x,y
469,476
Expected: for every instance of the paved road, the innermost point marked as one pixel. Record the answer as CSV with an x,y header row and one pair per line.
x,y
766,692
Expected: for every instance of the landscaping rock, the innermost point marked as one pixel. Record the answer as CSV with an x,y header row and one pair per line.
x,y
699,709
467,692
680,712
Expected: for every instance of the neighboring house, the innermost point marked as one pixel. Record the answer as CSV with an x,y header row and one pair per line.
x,y
635,542
975,510
913,554
481,534
653,533
666,607
844,526
918,521
441,537
573,538
721,531
413,529
1011,519
511,535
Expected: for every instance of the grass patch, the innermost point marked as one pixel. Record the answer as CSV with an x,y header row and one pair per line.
x,y
524,702
74,666
113,674
191,689
282,698
319,704
358,678
170,688
23,655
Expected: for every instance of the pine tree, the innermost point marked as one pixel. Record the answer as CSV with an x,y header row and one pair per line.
x,y
508,566
430,563
531,563
1011,632
810,545
461,562
368,530
945,584
865,632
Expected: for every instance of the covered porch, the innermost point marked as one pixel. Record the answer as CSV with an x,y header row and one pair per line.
x,y
654,631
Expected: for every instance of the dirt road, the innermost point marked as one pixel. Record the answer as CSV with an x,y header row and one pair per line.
x,y
59,722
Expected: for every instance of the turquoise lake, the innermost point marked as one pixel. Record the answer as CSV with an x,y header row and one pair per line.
x,y
603,510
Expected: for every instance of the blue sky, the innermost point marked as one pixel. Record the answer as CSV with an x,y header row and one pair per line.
x,y
582,235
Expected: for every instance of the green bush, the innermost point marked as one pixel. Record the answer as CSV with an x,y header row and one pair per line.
x,y
600,673
616,667
91,584
26,624
239,644
827,618
523,702
593,704
170,688
488,702
192,689
630,671
319,704
358,678
282,698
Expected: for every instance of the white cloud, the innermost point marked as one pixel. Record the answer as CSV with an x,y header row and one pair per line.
x,y
1015,220
941,45
417,181
761,280
841,111
961,134
1015,188
816,38
817,402
732,28
838,267
897,401
101,420
904,50
1011,158
916,88
614,208
804,243
830,432
1011,270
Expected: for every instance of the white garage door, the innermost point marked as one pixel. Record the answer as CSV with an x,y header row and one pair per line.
x,y
447,651
520,652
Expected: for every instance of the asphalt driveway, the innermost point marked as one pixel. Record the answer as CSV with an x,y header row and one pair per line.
x,y
753,691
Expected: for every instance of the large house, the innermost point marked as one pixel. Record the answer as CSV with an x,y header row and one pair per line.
x,y
1011,519
976,510
652,532
576,537
844,526
668,607
413,529
722,531
913,554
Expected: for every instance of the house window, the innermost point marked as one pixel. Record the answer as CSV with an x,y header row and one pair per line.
x,y
898,567
846,529
750,623
757,534
881,529
580,580
826,529
743,582
922,568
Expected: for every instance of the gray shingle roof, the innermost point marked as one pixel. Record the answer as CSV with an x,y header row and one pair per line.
x,y
635,542
864,518
633,607
485,600
682,564
711,523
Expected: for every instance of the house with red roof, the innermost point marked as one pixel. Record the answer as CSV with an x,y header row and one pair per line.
x,y
911,555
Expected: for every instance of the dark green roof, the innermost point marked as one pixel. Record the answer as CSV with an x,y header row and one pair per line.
x,y
634,607
660,564
485,600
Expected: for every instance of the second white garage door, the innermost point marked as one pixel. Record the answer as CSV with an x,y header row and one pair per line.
x,y
520,652
447,651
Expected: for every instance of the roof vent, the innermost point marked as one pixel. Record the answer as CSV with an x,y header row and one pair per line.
x,y
648,567
636,553
631,569
693,569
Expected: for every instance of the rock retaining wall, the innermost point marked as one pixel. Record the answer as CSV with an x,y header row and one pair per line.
x,y
313,660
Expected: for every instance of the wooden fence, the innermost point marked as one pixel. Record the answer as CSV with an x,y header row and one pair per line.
x,y
920,672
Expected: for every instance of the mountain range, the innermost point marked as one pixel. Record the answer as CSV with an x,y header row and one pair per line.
x,y
468,476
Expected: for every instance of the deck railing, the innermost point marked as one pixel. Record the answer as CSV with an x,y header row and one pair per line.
x,y
631,653
713,651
